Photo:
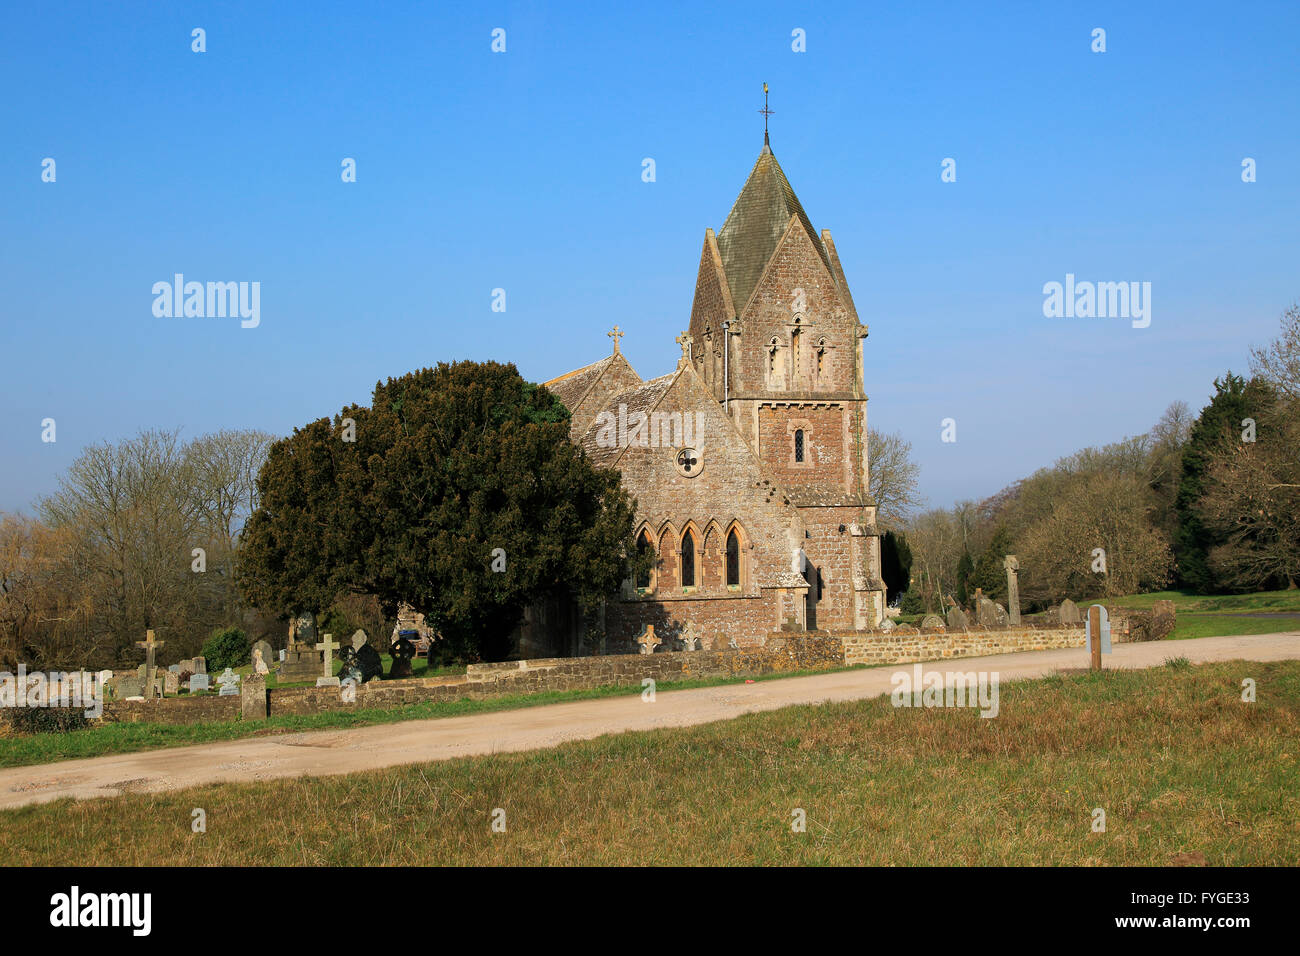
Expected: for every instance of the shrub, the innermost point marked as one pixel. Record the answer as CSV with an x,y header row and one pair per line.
x,y
45,720
227,647
913,603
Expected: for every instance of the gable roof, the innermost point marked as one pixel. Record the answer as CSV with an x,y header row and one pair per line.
x,y
641,398
572,386
754,227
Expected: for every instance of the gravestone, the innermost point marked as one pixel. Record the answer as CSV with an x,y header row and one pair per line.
x,y
261,654
647,640
301,662
171,682
128,688
1001,615
200,665
402,651
931,621
252,698
229,682
371,664
689,641
282,652
957,620
1013,589
986,612
349,669
359,639
887,626
199,683
175,668
329,646
1070,612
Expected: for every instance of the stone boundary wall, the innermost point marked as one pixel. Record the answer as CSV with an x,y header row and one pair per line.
x,y
878,648
782,653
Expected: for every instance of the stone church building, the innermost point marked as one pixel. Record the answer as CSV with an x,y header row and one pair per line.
x,y
748,462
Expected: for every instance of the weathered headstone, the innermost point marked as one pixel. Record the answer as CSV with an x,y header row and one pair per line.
x,y
349,669
957,620
171,681
327,678
689,641
1000,615
931,621
261,654
371,664
129,687
229,682
1070,612
986,612
199,683
647,640
1013,589
302,662
887,626
252,698
175,668
402,651
282,653
359,638
200,665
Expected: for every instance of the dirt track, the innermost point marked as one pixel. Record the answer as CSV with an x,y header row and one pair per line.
x,y
324,752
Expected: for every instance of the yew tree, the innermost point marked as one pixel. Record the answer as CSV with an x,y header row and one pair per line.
x,y
456,490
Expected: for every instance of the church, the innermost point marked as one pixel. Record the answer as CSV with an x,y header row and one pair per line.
x,y
749,460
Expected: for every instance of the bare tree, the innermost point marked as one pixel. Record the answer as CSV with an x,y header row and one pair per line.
x,y
1279,361
893,477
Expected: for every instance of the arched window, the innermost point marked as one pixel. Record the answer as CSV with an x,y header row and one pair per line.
x,y
798,445
642,546
733,559
688,560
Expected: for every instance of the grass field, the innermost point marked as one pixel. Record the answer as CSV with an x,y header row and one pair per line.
x,y
1185,771
1264,612
104,739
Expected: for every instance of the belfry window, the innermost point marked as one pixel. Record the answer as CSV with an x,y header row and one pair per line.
x,y
688,560
798,445
733,559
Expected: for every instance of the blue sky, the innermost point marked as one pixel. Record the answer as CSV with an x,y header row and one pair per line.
x,y
522,171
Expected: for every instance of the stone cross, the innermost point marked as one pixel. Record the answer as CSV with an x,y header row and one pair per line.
x,y
615,335
329,646
684,340
647,640
1013,589
150,645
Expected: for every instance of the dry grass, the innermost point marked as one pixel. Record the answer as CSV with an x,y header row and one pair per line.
x,y
1185,771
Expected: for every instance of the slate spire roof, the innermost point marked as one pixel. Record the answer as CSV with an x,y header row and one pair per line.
x,y
755,225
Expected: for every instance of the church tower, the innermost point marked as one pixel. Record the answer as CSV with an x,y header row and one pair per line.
x,y
775,335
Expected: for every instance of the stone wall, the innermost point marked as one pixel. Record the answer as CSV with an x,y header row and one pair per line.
x,y
173,710
868,647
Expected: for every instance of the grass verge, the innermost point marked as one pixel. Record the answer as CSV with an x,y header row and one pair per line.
x,y
1185,771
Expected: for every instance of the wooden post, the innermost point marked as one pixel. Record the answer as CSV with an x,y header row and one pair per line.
x,y
1094,629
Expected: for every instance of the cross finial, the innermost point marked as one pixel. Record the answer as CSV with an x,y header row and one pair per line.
x,y
766,113
684,340
615,335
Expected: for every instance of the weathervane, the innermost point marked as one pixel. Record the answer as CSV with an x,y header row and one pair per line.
x,y
766,113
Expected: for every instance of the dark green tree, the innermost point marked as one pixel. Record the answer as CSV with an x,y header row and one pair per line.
x,y
965,571
459,492
1218,426
990,570
895,564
